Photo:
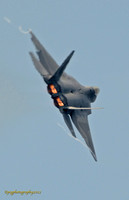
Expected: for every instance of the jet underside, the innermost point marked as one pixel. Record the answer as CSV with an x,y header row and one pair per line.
x,y
69,96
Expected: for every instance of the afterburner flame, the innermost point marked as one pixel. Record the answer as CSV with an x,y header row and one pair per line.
x,y
52,89
59,102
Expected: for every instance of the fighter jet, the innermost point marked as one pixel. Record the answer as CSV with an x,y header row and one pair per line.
x,y
71,98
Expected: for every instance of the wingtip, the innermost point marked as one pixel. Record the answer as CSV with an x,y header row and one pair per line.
x,y
94,156
33,37
31,33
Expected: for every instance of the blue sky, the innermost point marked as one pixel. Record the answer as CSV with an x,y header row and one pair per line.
x,y
35,153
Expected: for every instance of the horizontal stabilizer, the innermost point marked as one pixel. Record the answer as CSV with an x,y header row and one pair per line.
x,y
61,69
69,124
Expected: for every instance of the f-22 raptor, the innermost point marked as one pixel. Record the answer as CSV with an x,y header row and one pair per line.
x,y
71,98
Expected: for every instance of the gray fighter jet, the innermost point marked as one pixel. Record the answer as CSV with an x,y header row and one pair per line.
x,y
69,96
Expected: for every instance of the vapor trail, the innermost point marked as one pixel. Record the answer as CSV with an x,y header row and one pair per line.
x,y
24,32
7,20
17,27
71,135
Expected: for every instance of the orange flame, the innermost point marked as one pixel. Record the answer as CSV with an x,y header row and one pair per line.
x,y
60,103
53,89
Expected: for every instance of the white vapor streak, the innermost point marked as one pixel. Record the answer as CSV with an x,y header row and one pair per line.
x,y
19,27
22,31
71,135
7,20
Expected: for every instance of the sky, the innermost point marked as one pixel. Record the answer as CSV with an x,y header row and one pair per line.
x,y
35,152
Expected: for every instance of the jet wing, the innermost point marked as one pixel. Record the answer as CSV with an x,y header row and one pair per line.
x,y
40,68
80,120
45,58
